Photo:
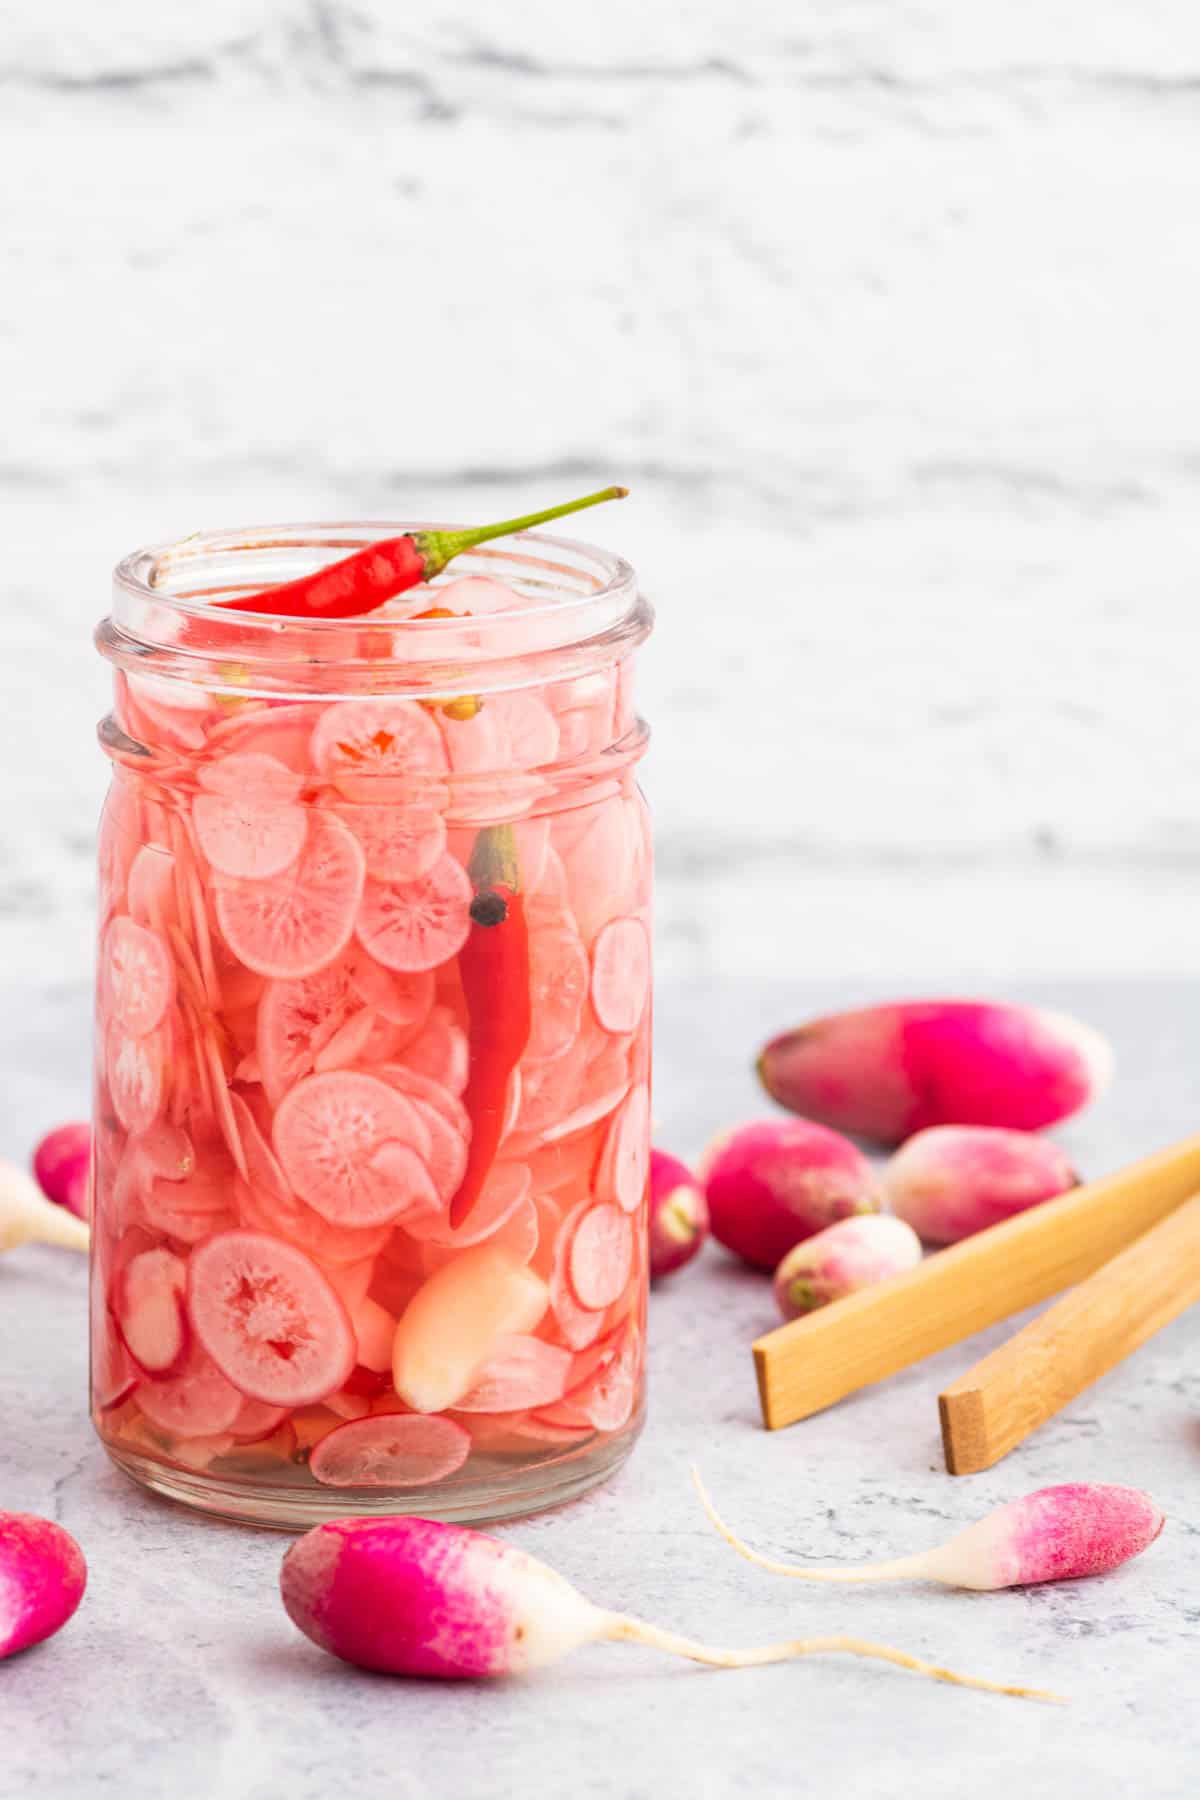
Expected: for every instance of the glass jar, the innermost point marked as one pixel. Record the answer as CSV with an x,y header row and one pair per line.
x,y
373,1035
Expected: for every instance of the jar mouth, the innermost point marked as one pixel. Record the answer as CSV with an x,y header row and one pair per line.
x,y
576,607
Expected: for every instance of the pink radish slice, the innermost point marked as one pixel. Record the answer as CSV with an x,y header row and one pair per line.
x,y
625,1160
391,1450
374,1334
295,1020
506,1187
148,1305
191,1207
198,1402
601,1256
282,732
151,887
403,1000
415,925
521,1372
550,1090
256,1422
530,727
608,1399
558,983
298,922
347,1405
136,1071
423,1087
371,747
440,1053
577,1325
349,1042
447,1158
137,977
400,843
621,974
269,1319
282,1215
247,820
114,1377
119,839
345,1142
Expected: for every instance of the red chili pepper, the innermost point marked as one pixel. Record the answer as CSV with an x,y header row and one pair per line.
x,y
359,583
494,967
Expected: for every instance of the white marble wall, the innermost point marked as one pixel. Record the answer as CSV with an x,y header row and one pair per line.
x,y
887,311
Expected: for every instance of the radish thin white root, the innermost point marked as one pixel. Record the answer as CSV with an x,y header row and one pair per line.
x,y
902,1568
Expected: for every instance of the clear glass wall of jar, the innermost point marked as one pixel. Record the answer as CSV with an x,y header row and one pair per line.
x,y
373,1035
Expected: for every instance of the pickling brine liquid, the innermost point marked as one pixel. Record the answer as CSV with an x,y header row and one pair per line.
x,y
372,1049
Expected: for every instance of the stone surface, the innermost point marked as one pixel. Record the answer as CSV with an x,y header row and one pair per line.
x,y
181,1673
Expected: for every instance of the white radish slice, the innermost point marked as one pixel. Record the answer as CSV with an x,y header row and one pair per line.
x,y
601,1256
411,926
456,1319
198,1402
521,1372
353,1148
621,974
137,977
269,1319
148,1305
390,1450
625,1160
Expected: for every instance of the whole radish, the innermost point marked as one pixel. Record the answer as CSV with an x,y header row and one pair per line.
x,y
42,1578
411,1597
853,1254
27,1217
775,1182
679,1221
884,1072
1056,1534
953,1180
62,1166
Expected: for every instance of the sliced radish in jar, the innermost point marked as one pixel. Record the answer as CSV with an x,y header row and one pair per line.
x,y
152,887
198,1402
440,1053
282,732
374,1333
403,1000
256,1422
295,1020
373,749
558,984
136,1071
625,1160
247,820
114,1377
621,974
345,1142
601,1256
137,977
455,1320
505,1189
298,922
530,727
269,1319
608,1398
400,843
577,1326
390,1450
416,925
447,1159
423,1087
520,1373
148,1305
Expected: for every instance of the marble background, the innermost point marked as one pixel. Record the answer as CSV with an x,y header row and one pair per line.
x,y
887,311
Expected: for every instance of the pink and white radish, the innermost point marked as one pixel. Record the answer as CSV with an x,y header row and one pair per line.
x,y
42,1578
62,1164
953,1180
775,1182
149,1305
1056,1534
27,1217
853,1254
884,1072
678,1214
411,1597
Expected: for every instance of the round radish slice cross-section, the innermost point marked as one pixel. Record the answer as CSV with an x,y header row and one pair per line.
x,y
621,974
415,925
608,1398
136,1071
295,923
148,1305
504,1190
400,843
625,1159
558,983
269,1319
601,1255
370,748
247,820
391,1450
354,1149
578,1326
521,1372
198,1402
137,976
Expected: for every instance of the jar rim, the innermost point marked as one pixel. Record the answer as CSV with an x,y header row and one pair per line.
x,y
579,601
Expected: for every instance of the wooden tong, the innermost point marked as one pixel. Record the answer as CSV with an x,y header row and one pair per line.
x,y
810,1363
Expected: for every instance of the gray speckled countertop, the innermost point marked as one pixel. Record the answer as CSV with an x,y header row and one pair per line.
x,y
181,1674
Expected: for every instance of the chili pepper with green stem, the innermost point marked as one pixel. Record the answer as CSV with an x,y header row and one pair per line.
x,y
358,583
494,968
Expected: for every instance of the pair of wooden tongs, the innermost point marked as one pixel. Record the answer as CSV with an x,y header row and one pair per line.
x,y
1131,1242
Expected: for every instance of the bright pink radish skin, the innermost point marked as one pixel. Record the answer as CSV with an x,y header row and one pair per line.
x,y
953,1180
42,1578
886,1071
411,1597
853,1254
61,1165
1057,1534
678,1214
771,1184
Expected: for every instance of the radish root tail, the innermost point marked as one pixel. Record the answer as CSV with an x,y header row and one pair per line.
x,y
886,1571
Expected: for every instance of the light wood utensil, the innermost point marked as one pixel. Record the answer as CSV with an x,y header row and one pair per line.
x,y
811,1362
992,1408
